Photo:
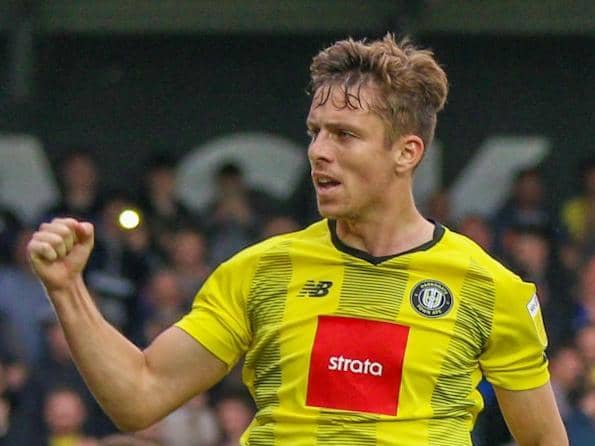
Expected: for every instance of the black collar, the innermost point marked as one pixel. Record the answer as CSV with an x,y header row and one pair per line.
x,y
332,225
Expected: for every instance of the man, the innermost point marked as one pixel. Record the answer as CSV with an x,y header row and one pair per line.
x,y
371,327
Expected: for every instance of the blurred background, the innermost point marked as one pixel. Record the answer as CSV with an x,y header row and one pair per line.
x,y
190,116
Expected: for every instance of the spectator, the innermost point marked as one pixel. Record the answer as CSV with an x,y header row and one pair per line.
x,y
585,341
22,303
15,426
567,372
526,206
188,260
80,187
235,216
585,294
235,411
194,424
163,303
164,294
578,213
64,414
13,379
165,213
477,229
279,225
580,425
530,254
10,227
8,341
438,207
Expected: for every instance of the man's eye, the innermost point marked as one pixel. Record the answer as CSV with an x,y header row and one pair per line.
x,y
344,134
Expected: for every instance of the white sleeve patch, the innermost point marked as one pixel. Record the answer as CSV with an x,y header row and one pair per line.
x,y
534,311
533,305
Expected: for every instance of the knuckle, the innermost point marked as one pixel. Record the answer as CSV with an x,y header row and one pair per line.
x,y
52,238
68,223
58,240
38,247
62,229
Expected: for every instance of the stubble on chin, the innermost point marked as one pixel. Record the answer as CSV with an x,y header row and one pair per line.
x,y
331,212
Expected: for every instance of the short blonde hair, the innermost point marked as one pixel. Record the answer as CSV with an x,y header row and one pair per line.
x,y
411,86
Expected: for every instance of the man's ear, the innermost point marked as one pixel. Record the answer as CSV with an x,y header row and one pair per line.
x,y
409,151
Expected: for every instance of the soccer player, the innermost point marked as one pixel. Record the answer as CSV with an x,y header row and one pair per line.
x,y
373,326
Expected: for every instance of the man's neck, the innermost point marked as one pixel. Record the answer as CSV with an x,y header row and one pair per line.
x,y
388,235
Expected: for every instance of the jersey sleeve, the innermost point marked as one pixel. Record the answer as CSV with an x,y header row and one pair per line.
x,y
218,318
514,356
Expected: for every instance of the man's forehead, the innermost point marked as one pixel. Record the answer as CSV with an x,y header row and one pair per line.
x,y
356,97
335,99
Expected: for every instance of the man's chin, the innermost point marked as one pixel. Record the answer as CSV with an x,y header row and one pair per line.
x,y
330,212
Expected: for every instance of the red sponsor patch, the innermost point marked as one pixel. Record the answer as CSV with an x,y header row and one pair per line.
x,y
357,364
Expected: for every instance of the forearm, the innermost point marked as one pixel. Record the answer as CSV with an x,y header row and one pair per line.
x,y
110,364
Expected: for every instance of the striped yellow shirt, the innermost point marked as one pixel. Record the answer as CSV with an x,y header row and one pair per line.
x,y
342,348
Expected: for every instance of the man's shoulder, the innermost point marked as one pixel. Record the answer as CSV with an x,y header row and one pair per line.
x,y
478,258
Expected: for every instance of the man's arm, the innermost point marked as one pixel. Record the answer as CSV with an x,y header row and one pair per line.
x,y
134,387
532,416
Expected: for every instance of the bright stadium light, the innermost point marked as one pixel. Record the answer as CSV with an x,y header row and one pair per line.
x,y
129,219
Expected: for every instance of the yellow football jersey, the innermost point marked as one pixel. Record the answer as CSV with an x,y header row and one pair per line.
x,y
342,348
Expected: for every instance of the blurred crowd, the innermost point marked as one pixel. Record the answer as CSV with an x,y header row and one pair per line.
x,y
144,279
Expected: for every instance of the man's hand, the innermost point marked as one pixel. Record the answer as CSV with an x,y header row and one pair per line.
x,y
59,251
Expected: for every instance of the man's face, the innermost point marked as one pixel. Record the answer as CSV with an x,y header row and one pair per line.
x,y
531,251
64,413
80,173
352,166
161,180
530,190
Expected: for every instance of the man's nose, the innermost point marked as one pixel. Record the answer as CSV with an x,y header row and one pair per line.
x,y
320,148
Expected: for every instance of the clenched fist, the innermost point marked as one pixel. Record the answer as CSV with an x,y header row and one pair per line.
x,y
59,251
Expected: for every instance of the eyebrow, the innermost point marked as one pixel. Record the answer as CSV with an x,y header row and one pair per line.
x,y
335,125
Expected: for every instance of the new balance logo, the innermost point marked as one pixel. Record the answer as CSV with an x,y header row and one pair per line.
x,y
316,289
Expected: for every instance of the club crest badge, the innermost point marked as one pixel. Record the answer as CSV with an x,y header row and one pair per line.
x,y
431,298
